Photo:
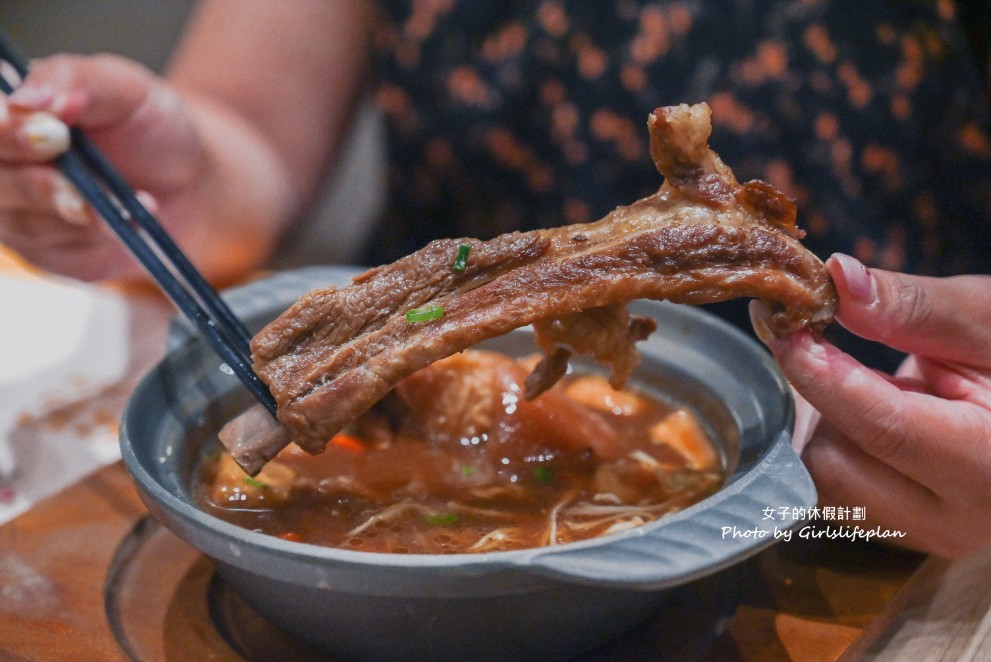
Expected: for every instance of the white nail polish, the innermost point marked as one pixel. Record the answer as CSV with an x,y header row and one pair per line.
x,y
46,134
69,204
148,201
32,97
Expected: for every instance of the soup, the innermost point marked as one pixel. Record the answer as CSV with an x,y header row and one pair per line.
x,y
455,460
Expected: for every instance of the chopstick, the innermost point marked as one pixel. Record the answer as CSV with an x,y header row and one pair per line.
x,y
104,188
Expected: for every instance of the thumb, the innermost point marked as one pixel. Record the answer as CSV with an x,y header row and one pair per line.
x,y
88,91
128,111
940,318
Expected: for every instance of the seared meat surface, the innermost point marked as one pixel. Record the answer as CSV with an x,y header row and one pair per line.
x,y
703,237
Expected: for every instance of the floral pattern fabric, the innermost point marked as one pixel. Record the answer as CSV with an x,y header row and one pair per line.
x,y
516,115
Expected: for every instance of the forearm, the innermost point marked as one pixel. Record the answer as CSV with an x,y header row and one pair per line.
x,y
241,199
272,87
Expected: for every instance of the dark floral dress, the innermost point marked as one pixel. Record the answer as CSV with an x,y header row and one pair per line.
x,y
525,114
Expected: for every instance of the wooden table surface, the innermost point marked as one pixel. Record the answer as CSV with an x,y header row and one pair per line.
x,y
800,600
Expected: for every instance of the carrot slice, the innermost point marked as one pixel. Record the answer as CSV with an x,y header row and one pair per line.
x,y
347,442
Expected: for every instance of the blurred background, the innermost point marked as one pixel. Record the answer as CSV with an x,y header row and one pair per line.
x,y
140,29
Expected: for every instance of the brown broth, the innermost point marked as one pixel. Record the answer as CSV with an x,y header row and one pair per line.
x,y
424,476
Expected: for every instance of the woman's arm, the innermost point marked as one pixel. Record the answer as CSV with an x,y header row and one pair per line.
x,y
227,147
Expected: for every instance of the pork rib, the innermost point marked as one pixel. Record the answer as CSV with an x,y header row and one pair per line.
x,y
703,237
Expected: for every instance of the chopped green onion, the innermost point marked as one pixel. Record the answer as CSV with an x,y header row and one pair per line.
x,y
467,470
543,474
461,259
424,314
438,519
254,482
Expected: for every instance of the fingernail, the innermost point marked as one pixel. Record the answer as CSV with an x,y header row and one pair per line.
x,y
808,343
32,97
69,203
759,313
858,278
46,135
148,201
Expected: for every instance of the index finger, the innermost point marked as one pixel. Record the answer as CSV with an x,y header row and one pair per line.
x,y
940,318
922,436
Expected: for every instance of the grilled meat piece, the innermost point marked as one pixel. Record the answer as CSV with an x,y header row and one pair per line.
x,y
702,238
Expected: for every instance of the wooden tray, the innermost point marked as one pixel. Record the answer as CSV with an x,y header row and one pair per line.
x,y
85,575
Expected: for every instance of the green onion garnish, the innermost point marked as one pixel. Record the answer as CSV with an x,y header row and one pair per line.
x,y
440,520
461,259
467,470
543,474
254,482
424,314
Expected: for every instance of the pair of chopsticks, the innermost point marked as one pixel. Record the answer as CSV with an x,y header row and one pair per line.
x,y
103,187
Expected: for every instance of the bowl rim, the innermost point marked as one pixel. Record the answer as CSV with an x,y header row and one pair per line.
x,y
777,474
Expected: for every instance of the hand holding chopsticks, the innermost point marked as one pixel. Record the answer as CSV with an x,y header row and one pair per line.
x,y
103,187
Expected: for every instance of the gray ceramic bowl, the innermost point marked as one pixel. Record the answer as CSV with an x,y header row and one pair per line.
x,y
533,604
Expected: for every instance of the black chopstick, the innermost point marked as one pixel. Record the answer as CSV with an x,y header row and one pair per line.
x,y
96,179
